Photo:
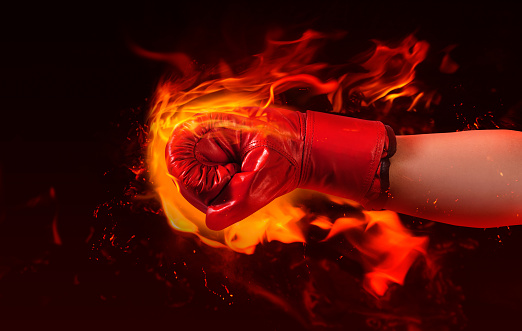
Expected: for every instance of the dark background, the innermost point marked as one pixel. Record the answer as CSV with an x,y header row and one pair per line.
x,y
71,88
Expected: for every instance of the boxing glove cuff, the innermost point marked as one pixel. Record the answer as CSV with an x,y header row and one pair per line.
x,y
347,157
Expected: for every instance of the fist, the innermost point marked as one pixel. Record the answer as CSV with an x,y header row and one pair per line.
x,y
229,165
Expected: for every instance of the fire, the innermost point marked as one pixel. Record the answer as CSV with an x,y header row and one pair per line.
x,y
387,248
389,74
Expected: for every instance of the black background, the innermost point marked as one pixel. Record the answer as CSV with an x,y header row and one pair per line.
x,y
68,75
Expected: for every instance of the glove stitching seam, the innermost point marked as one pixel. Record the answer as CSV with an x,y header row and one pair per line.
x,y
194,149
274,148
254,145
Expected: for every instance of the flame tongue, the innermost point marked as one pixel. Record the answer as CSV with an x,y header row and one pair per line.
x,y
386,247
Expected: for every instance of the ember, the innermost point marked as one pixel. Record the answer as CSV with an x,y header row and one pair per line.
x,y
93,230
388,73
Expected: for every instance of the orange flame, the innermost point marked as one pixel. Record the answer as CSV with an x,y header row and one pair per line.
x,y
387,248
389,74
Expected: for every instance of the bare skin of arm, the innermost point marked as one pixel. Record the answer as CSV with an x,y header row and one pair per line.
x,y
469,178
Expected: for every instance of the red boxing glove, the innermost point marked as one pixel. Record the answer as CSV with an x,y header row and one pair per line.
x,y
229,165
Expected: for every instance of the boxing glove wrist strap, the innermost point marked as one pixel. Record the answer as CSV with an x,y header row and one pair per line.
x,y
379,190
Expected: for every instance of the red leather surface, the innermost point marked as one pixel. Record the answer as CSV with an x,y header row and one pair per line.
x,y
342,154
230,165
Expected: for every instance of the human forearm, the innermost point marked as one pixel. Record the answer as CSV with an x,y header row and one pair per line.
x,y
471,178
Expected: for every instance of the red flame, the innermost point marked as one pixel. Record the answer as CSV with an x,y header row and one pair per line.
x,y
387,248
448,65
